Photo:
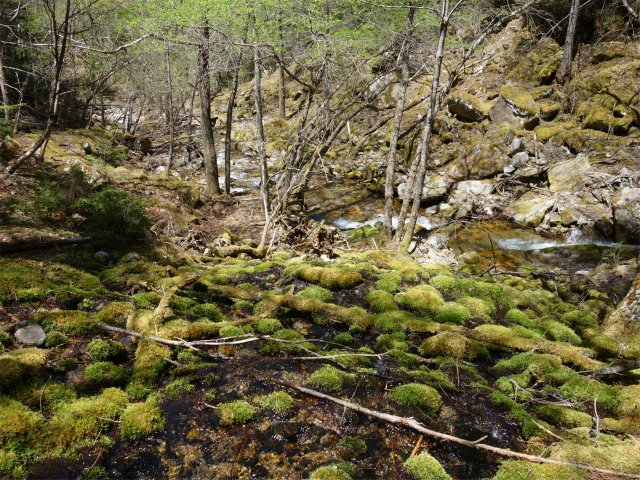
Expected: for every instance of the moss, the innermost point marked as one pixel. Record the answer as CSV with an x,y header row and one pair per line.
x,y
106,350
84,421
317,293
563,417
523,470
188,307
381,301
521,100
442,282
433,378
17,424
422,299
580,319
520,318
11,466
579,389
178,388
329,378
146,300
95,473
139,420
361,234
423,397
390,259
554,330
267,326
149,363
425,467
355,444
628,401
20,365
71,322
344,338
517,413
452,312
389,282
279,402
394,321
449,344
55,338
331,472
116,314
393,341
231,331
479,307
106,374
238,411
332,278
622,456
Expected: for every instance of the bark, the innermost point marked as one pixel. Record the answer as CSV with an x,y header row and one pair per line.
x,y
227,145
260,143
3,86
567,57
169,113
281,95
208,144
630,9
428,128
397,123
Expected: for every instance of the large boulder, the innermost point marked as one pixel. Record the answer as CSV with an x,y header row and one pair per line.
x,y
468,107
435,188
530,208
524,110
626,215
481,161
570,176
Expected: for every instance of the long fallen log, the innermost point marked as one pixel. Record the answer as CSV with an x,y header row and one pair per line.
x,y
20,246
415,425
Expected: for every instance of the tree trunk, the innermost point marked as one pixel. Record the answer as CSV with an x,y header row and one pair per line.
x,y
387,225
227,145
428,128
3,86
630,9
208,144
567,57
170,113
281,94
260,147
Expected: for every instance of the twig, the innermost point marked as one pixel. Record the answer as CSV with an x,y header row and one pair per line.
x,y
414,424
327,357
415,449
541,427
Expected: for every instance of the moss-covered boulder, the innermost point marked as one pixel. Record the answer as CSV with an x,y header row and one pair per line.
x,y
423,397
468,107
20,365
425,467
332,278
530,208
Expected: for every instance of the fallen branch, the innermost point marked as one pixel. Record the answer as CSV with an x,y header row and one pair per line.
x,y
21,246
611,370
415,425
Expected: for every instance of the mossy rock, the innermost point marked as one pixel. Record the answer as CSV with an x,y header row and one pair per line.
x,y
619,456
139,420
628,401
315,292
267,326
70,322
547,132
478,306
449,344
523,470
149,363
443,282
467,106
115,314
423,397
563,417
452,312
330,472
390,260
363,233
279,402
17,424
106,374
578,389
396,320
331,278
425,467
556,331
106,350
381,301
520,100
392,341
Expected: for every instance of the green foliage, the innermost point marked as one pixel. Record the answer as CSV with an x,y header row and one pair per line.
x,y
115,216
95,473
178,388
331,472
238,411
423,299
344,338
452,312
279,402
381,301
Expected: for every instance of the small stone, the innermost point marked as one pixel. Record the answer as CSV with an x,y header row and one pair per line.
x,y
520,159
625,172
8,183
32,335
87,148
516,147
509,169
102,257
438,240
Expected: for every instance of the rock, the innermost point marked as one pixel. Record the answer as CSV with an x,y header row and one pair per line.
x,y
516,147
438,240
596,117
530,208
467,106
435,188
509,169
626,215
102,257
475,187
87,148
481,161
32,335
568,216
604,227
520,159
523,107
624,322
570,176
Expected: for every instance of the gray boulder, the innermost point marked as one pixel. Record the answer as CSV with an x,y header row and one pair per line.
x,y
32,335
570,176
626,215
530,208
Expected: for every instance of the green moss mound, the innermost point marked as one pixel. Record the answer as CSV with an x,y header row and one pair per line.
x,y
267,326
424,398
315,292
106,350
332,278
423,299
238,411
381,301
20,365
139,420
279,402
452,312
425,467
329,378
106,374
354,444
449,344
331,472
